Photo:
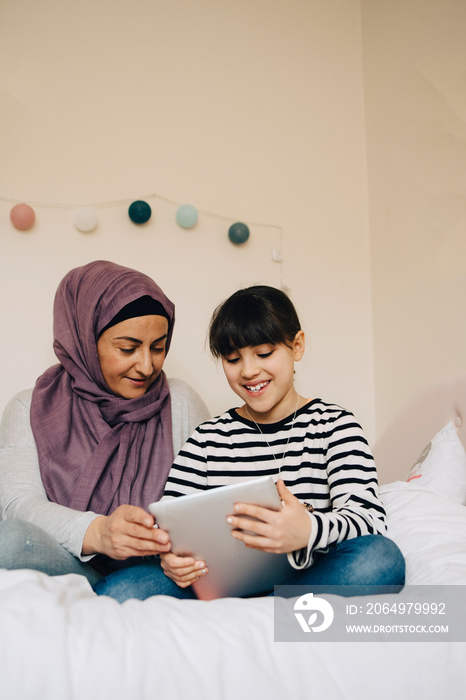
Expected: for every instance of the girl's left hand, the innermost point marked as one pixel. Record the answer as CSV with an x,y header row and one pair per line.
x,y
182,570
280,531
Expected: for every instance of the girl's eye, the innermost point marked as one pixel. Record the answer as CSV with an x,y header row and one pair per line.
x,y
265,354
231,360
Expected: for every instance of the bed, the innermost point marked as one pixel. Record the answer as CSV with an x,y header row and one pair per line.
x,y
58,640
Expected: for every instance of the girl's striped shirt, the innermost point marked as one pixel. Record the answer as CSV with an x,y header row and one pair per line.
x,y
322,456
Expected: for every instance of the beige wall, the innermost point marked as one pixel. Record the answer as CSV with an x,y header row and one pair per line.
x,y
256,111
415,91
252,110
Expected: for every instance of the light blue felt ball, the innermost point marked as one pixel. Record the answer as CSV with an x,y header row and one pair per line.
x,y
187,216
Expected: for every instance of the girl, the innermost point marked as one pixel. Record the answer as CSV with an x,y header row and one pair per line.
x,y
332,521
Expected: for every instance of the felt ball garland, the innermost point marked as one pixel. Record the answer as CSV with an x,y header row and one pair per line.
x,y
85,218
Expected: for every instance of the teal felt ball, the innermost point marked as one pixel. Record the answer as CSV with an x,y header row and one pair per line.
x,y
238,233
186,216
139,212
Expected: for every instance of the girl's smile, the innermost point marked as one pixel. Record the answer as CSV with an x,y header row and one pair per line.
x,y
256,388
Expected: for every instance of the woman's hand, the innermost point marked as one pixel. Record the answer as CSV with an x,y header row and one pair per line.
x,y
274,531
128,532
184,571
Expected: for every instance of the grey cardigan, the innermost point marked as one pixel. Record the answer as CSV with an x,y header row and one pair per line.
x,y
22,494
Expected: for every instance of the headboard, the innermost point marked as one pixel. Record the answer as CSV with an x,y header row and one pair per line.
x,y
400,445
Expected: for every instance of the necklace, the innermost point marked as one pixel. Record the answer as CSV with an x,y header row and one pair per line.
x,y
268,444
305,505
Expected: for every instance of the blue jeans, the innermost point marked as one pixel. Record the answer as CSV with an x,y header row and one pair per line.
x,y
26,546
365,565
141,581
362,565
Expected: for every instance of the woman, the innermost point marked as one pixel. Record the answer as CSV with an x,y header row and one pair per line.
x,y
83,457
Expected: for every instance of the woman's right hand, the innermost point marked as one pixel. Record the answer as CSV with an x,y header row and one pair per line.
x,y
184,571
128,532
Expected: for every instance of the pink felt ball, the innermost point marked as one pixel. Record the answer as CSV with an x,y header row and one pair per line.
x,y
22,216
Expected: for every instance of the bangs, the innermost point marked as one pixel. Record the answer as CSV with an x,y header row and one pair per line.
x,y
246,319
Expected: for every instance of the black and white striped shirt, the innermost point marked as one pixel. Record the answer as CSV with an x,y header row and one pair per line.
x,y
322,456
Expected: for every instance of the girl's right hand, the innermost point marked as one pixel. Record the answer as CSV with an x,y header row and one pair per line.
x,y
184,571
128,532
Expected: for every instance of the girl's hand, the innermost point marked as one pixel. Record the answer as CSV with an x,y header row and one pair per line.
x,y
274,531
128,532
184,571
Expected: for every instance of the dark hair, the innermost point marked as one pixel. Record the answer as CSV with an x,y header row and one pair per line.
x,y
250,317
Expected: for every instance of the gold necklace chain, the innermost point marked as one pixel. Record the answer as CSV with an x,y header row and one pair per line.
x,y
268,444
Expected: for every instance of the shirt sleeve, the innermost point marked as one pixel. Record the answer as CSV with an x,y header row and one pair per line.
x,y
356,508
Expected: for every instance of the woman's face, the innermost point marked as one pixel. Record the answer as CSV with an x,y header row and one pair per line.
x,y
132,353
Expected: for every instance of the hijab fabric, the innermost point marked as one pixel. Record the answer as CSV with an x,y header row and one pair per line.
x,y
98,450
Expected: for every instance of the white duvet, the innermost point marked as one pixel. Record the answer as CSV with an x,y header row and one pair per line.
x,y
59,641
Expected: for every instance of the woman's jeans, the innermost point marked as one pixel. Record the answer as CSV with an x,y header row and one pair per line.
x,y
361,565
26,546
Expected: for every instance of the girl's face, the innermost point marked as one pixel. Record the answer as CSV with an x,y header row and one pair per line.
x,y
132,353
263,377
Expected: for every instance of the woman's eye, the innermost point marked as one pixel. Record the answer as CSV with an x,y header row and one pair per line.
x,y
127,351
158,350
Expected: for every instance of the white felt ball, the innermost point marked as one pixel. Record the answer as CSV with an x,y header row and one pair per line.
x,y
85,219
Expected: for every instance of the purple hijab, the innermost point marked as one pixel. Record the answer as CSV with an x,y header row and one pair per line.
x,y
97,450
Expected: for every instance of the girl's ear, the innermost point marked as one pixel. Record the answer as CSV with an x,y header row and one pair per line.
x,y
299,344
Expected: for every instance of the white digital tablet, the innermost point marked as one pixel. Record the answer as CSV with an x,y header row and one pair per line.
x,y
197,526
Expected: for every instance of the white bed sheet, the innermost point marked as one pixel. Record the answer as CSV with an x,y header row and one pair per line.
x,y
59,641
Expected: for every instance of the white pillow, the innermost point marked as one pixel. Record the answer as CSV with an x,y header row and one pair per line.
x,y
430,530
442,466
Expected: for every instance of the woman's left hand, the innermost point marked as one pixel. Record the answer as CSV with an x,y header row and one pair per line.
x,y
280,531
